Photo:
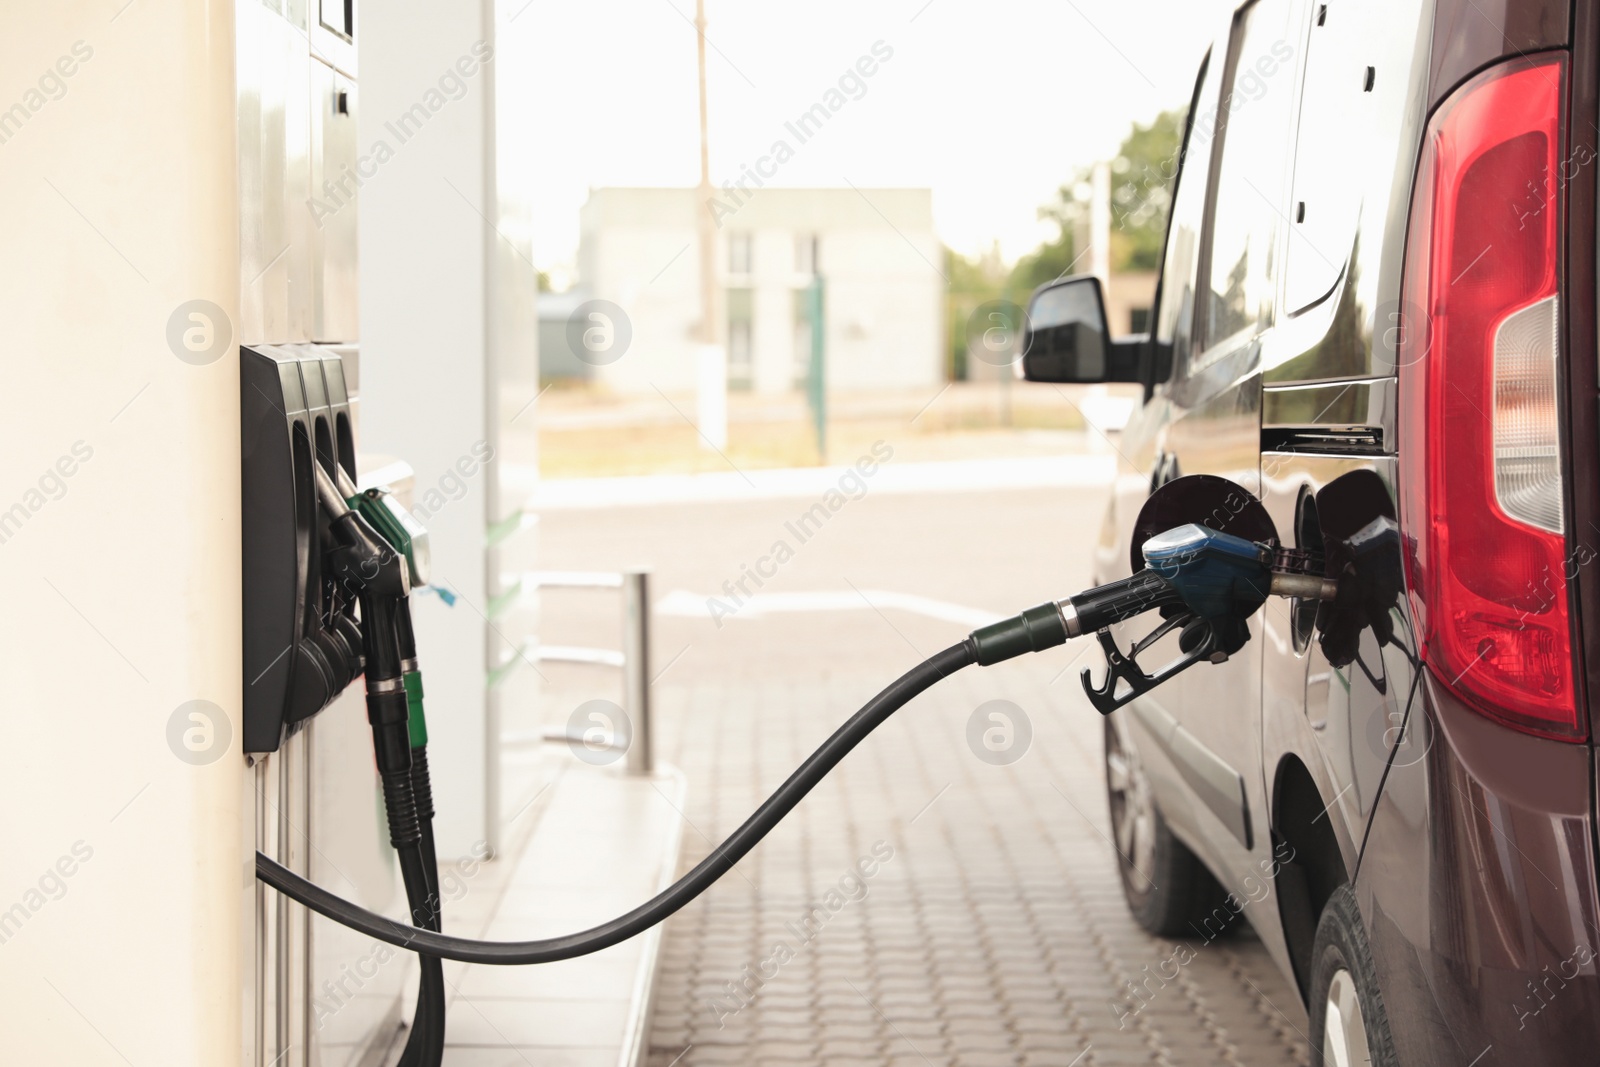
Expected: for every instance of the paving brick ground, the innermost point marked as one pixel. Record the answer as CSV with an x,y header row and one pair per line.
x,y
995,933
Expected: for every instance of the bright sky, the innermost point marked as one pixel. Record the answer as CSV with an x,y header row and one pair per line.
x,y
993,105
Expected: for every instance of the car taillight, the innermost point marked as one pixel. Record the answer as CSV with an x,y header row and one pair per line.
x,y
1480,447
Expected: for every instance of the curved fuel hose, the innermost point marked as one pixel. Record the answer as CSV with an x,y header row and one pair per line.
x,y
1206,570
425,1045
664,904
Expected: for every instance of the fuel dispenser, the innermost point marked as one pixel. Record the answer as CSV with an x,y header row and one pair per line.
x,y
313,555
300,649
1205,556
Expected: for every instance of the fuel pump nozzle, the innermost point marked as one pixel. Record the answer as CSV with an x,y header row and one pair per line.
x,y
380,576
366,565
392,521
407,537
1206,583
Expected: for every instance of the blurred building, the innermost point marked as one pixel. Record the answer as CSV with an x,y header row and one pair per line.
x,y
555,356
1129,295
874,248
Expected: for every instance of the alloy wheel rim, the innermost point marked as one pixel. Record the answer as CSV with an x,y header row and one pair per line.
x,y
1132,809
1344,1031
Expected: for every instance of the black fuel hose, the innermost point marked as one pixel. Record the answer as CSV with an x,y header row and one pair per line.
x,y
420,873
722,859
1039,628
365,563
425,1046
430,991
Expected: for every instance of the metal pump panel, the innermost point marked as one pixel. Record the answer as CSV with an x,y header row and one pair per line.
x,y
294,413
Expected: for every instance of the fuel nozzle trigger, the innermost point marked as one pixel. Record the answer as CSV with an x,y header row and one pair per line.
x,y
1214,581
1125,679
1211,582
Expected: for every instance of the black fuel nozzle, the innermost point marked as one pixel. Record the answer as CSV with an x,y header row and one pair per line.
x,y
383,516
367,566
363,562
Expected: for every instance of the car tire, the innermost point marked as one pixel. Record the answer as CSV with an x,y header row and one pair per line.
x,y
1349,1025
1168,890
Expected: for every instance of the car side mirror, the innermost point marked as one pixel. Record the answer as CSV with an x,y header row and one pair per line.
x,y
1066,339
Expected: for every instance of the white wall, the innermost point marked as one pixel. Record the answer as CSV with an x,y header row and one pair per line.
x,y
425,247
118,204
884,306
654,277
773,310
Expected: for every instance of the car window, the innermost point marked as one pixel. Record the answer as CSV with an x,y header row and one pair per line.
x,y
1335,112
1247,217
1181,259
1352,174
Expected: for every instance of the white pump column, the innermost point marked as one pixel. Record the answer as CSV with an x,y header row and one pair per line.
x,y
448,290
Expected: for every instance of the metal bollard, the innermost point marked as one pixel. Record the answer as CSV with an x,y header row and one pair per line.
x,y
636,670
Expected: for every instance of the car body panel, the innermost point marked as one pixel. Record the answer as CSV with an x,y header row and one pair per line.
x,y
1470,34
1472,847
1478,885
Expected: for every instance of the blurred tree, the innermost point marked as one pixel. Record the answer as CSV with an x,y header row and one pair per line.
x,y
1046,263
1141,193
973,281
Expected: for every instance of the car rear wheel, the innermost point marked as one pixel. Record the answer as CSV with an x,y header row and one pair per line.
x,y
1349,1026
1168,890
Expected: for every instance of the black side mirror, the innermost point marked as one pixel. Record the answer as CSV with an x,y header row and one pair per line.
x,y
1067,340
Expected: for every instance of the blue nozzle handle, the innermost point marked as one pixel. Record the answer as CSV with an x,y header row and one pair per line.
x,y
1217,575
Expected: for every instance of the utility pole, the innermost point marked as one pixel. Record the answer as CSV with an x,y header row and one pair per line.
x,y
1095,397
1100,223
706,225
712,370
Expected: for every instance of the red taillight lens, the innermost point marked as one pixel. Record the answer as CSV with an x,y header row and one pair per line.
x,y
1482,492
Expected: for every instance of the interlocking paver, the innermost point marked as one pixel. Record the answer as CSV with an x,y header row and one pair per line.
x,y
995,935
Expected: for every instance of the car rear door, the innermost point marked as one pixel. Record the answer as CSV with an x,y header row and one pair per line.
x,y
1329,404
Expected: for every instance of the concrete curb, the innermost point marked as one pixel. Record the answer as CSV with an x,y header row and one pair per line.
x,y
636,1035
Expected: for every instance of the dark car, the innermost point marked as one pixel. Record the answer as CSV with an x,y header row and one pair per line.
x,y
1377,302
